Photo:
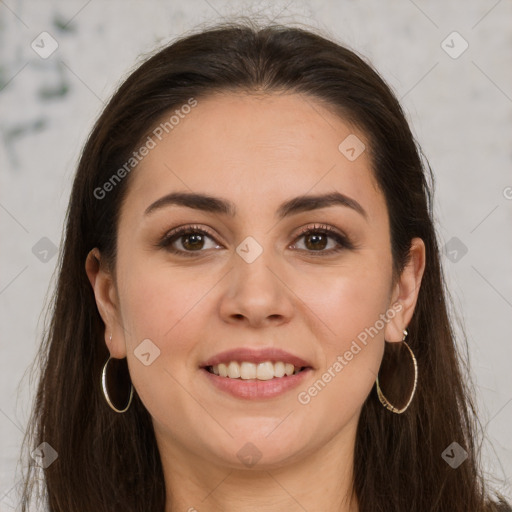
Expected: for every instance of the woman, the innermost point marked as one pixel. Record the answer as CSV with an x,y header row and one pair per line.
x,y
250,312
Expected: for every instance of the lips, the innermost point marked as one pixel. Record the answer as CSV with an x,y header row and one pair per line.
x,y
255,374
256,356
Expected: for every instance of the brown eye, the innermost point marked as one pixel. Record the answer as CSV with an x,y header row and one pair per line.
x,y
188,240
192,241
323,240
316,241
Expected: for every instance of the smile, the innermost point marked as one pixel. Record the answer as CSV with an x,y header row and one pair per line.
x,y
262,371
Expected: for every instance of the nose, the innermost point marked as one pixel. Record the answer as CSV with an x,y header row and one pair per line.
x,y
257,293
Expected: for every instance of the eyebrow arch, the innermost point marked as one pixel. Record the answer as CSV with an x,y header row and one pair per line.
x,y
298,204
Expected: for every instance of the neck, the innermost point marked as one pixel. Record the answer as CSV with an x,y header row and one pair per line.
x,y
320,480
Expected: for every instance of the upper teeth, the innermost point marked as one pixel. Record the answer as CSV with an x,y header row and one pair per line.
x,y
260,371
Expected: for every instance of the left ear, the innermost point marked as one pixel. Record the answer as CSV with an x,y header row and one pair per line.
x,y
405,291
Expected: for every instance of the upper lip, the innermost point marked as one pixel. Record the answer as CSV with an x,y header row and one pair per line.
x,y
253,355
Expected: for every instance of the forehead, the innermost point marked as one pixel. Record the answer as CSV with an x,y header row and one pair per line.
x,y
257,150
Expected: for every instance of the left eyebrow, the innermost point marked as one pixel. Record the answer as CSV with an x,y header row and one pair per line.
x,y
218,205
314,202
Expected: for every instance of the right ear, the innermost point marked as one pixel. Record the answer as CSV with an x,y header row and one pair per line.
x,y
106,299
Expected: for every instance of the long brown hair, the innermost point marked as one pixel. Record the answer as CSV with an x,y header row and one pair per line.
x,y
108,461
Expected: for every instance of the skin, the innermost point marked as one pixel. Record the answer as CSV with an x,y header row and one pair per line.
x,y
256,151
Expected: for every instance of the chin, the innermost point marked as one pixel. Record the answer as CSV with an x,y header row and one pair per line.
x,y
251,448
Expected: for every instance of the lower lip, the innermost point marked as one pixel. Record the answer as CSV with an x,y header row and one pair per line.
x,y
253,389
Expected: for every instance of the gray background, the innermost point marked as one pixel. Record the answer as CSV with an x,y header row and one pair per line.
x,y
460,110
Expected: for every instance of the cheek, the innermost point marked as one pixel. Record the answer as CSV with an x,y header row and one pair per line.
x,y
352,303
168,307
346,299
158,301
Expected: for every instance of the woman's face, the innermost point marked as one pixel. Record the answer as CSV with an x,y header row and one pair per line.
x,y
253,281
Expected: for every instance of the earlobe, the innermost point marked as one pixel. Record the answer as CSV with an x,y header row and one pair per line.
x,y
406,291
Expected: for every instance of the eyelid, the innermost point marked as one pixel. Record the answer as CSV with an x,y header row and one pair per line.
x,y
165,239
341,239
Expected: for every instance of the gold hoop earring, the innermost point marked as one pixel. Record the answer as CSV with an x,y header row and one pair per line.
x,y
401,394
104,377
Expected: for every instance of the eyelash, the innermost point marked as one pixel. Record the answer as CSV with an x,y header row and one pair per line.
x,y
172,236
